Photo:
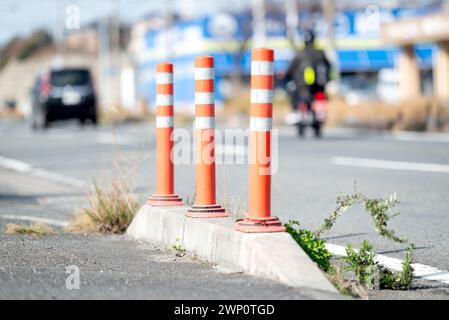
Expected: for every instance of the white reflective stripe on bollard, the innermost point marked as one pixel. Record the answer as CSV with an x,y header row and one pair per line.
x,y
262,68
204,122
260,124
164,122
164,77
204,98
164,100
261,96
204,73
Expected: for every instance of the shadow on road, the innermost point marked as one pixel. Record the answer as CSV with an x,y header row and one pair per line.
x,y
343,236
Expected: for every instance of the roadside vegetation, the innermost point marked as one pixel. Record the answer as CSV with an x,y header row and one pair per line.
x,y
358,270
419,114
111,205
178,249
234,205
23,48
35,229
189,199
120,114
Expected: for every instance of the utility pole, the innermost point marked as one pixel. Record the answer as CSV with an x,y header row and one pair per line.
x,y
328,7
103,62
58,59
168,38
259,26
292,22
109,67
115,53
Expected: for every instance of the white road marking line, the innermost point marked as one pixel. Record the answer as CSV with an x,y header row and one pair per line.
x,y
109,138
420,270
421,137
23,167
15,165
390,165
54,222
400,136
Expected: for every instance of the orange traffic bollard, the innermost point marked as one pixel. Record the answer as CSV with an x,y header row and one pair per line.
x,y
164,195
205,205
259,218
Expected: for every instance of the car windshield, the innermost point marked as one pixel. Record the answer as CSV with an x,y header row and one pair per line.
x,y
70,77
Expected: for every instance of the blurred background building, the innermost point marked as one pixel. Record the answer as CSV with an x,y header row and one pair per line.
x,y
123,40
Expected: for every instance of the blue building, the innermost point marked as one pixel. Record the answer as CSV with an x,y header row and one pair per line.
x,y
359,47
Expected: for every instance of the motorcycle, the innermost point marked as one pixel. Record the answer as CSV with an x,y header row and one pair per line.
x,y
310,115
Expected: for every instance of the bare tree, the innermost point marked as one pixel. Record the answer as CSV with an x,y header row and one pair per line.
x,y
246,28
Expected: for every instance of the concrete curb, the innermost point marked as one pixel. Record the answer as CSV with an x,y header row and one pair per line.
x,y
274,256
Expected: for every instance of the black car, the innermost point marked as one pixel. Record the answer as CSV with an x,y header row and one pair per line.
x,y
64,94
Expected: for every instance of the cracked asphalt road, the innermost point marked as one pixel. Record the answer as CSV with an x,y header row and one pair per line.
x,y
304,188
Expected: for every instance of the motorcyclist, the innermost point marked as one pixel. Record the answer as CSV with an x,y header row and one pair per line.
x,y
307,75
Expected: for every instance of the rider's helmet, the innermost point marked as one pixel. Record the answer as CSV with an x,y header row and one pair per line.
x,y
309,38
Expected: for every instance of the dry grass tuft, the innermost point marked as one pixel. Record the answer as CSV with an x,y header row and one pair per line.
x,y
413,114
235,205
81,223
348,287
111,205
120,114
10,114
189,200
35,229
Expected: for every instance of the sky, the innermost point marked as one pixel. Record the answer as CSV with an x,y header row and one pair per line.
x,y
20,17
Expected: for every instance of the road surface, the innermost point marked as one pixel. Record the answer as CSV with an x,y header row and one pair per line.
x,y
310,175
